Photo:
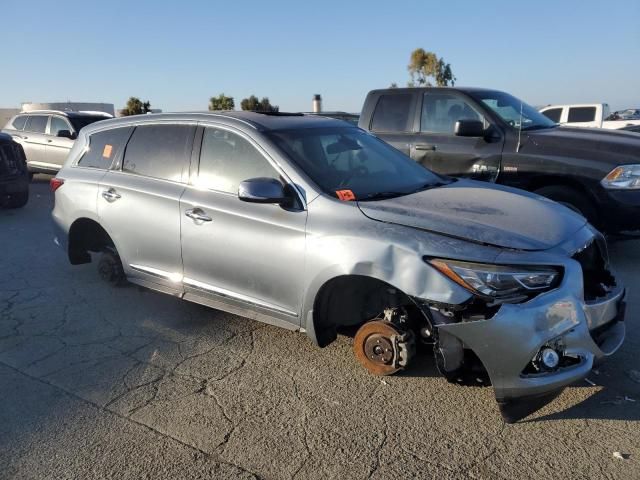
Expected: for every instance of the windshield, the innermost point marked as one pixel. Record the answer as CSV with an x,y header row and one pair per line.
x,y
79,122
346,159
509,108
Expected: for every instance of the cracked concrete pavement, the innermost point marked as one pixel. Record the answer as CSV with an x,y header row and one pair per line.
x,y
100,382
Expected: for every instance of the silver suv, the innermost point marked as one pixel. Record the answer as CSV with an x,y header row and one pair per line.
x,y
48,135
313,224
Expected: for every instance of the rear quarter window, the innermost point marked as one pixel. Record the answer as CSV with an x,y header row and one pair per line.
x,y
159,151
18,122
392,113
582,114
103,148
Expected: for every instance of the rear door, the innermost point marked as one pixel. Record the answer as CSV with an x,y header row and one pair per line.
x,y
139,203
58,148
248,255
393,119
34,140
438,148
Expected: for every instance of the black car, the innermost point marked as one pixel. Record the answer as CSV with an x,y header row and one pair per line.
x,y
14,177
491,135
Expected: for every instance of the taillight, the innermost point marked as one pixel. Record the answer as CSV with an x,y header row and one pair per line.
x,y
56,183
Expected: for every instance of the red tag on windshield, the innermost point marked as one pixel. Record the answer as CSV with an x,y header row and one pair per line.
x,y
345,195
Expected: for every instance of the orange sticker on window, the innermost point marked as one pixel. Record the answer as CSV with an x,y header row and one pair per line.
x,y
345,195
106,153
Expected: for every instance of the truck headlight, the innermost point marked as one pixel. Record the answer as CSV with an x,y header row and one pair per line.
x,y
622,177
499,282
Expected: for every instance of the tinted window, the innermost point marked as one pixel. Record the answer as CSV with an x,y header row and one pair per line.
x,y
553,114
103,147
158,151
18,122
36,123
58,124
83,121
226,159
392,113
582,114
441,111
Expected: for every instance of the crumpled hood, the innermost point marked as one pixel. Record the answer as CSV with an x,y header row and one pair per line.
x,y
481,212
616,146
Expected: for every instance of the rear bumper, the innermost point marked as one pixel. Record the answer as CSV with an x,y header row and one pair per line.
x,y
508,342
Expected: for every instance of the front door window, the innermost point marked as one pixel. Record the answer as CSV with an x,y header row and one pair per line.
x,y
441,111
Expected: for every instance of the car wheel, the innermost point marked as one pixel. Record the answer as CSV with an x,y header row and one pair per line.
x,y
18,200
110,268
571,198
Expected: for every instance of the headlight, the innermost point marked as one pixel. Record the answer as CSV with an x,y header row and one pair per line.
x,y
499,282
623,177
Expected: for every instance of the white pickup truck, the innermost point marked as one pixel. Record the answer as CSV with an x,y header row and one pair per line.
x,y
591,115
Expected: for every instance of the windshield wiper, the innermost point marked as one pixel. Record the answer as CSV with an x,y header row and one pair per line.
x,y
382,195
537,127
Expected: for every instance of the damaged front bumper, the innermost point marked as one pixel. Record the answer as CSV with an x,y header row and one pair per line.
x,y
507,343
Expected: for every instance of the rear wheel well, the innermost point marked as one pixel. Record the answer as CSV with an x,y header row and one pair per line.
x,y
86,235
350,300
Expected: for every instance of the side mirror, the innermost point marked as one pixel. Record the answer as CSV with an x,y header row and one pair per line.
x,y
262,190
469,128
65,134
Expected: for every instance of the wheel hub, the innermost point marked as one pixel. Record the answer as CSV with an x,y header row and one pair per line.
x,y
382,347
379,349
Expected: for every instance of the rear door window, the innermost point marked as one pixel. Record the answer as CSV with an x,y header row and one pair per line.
x,y
226,159
553,114
582,114
392,113
103,148
18,122
37,123
159,151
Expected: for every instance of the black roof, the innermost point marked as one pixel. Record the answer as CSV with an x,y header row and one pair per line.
x,y
413,89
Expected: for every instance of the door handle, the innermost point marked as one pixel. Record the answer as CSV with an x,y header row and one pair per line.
x,y
425,147
49,141
110,195
198,215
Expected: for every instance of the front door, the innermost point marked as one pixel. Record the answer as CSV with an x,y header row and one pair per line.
x,y
437,147
139,203
245,254
58,147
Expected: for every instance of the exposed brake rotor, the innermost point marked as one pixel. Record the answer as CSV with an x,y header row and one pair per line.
x,y
383,348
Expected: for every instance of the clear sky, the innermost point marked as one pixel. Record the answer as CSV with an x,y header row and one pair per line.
x,y
179,53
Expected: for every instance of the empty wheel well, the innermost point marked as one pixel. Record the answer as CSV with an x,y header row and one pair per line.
x,y
350,300
538,182
86,235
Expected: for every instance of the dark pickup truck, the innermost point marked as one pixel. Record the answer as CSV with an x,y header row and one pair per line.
x,y
490,135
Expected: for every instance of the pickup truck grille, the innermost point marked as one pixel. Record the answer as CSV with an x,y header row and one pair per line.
x,y
598,281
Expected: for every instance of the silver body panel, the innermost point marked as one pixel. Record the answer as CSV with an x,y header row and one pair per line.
x,y
269,263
